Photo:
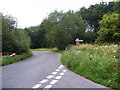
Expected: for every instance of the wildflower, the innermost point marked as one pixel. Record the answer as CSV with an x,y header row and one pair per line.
x,y
109,81
114,51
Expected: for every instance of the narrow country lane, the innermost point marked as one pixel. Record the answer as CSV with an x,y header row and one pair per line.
x,y
43,70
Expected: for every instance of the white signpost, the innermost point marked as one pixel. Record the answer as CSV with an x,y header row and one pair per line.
x,y
78,41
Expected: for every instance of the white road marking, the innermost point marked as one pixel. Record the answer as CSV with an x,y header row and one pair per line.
x,y
48,86
61,66
58,77
61,73
37,86
64,70
53,81
50,76
54,73
43,81
57,70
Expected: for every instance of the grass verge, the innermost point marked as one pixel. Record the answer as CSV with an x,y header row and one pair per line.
x,y
102,69
9,60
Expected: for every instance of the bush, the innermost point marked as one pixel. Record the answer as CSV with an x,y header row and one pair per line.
x,y
13,40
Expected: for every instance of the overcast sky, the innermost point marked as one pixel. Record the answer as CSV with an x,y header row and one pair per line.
x,y
32,12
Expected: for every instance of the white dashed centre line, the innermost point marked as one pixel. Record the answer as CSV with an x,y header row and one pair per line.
x,y
54,73
64,70
43,81
48,86
37,86
61,66
53,81
50,76
57,70
61,73
58,77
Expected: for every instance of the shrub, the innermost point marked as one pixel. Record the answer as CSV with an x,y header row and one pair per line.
x,y
13,40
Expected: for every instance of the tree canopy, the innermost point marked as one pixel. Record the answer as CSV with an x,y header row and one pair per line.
x,y
98,23
13,40
63,28
109,29
95,13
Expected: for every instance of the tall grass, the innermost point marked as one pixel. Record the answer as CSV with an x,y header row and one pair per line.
x,y
10,60
103,68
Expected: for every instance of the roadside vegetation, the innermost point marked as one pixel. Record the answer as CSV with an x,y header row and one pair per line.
x,y
9,60
102,68
14,40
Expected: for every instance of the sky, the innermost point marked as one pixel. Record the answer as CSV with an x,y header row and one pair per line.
x,y
32,12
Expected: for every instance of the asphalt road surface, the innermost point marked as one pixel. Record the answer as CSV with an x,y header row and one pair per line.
x,y
43,70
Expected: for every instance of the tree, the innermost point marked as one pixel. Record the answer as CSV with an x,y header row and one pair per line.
x,y
63,28
61,37
95,13
116,7
109,29
37,35
13,39
75,25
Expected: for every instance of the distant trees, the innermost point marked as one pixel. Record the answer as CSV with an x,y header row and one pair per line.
x,y
60,29
94,14
109,29
13,40
37,36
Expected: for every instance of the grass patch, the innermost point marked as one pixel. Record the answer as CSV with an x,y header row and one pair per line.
x,y
9,60
103,68
49,49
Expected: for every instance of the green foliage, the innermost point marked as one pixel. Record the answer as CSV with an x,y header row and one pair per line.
x,y
116,7
103,68
9,60
109,29
89,36
63,28
13,40
61,37
37,36
74,23
95,12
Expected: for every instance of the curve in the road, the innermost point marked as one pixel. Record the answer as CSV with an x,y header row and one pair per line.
x,y
43,70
